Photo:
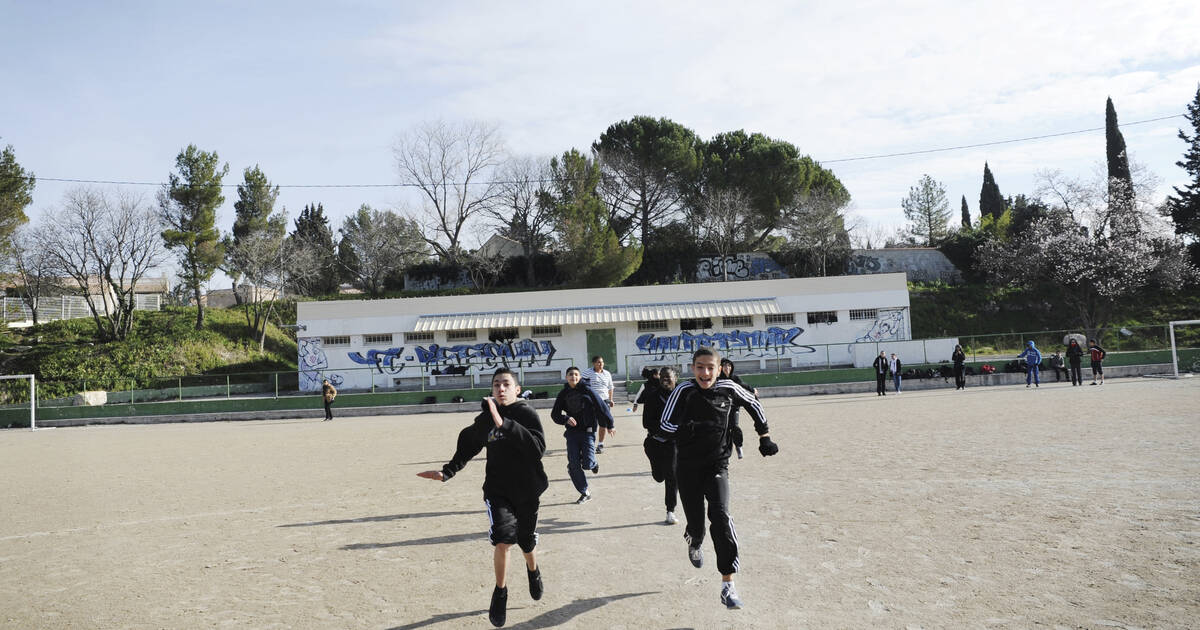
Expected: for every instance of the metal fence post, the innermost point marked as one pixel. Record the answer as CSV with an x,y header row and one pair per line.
x,y
227,386
180,388
277,385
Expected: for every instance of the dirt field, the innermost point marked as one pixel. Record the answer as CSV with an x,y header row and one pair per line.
x,y
1058,507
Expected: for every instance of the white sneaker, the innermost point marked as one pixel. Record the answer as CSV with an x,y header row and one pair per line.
x,y
671,520
729,596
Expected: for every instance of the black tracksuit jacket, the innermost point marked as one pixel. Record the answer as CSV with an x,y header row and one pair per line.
x,y
699,419
514,452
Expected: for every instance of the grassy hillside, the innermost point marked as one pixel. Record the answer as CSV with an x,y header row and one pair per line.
x,y
162,344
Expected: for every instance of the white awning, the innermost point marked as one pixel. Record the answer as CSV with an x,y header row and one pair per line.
x,y
585,315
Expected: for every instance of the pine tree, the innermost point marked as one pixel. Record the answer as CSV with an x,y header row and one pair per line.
x,y
188,206
966,213
991,202
16,186
1184,205
318,273
927,210
1120,181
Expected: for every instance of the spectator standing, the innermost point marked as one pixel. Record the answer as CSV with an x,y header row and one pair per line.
x,y
1056,362
1033,359
328,394
881,370
959,358
1097,355
1075,358
894,366
601,382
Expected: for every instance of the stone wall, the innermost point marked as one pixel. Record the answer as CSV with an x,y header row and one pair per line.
x,y
919,264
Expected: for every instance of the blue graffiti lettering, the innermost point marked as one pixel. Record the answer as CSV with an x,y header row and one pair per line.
x,y
382,360
773,339
519,353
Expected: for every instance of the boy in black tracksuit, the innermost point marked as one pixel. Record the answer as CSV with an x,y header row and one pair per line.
x,y
697,414
578,408
513,480
660,450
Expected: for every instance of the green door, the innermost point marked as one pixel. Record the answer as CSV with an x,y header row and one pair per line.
x,y
603,341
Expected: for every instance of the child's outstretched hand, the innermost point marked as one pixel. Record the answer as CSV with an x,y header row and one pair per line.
x,y
435,475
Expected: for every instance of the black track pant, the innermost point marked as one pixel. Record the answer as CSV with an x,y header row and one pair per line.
x,y
1076,373
701,483
662,467
329,410
960,377
881,383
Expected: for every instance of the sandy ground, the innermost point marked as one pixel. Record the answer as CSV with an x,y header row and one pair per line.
x,y
1003,507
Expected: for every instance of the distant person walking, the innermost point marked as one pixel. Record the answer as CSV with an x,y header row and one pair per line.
x,y
881,370
601,382
1097,354
1074,359
1033,358
959,358
328,393
894,366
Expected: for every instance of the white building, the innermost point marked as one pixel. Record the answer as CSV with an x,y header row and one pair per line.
x,y
763,325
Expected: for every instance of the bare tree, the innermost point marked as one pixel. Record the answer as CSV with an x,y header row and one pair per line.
x,y
258,256
452,166
814,222
32,265
724,224
382,243
106,245
522,210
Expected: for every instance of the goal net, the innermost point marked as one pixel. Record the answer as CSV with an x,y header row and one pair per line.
x,y
18,400
1185,347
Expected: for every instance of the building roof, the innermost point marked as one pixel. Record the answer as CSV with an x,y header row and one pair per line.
x,y
573,315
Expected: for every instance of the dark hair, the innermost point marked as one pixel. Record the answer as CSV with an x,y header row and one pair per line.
x,y
505,370
649,373
570,369
597,358
706,351
668,371
732,367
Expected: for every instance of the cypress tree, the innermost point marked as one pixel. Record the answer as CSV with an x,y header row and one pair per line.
x,y
991,202
1184,205
966,213
1120,182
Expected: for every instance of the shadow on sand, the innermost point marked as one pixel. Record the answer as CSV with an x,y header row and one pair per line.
x,y
549,619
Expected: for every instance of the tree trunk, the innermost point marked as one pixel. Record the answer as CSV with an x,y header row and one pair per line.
x,y
199,307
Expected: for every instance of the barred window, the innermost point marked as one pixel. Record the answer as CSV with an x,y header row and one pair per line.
x,y
822,317
335,341
497,334
737,320
864,313
461,335
652,325
378,340
781,318
696,323
410,337
546,331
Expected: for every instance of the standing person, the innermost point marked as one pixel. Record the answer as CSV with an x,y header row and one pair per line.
x,y
735,430
579,410
660,449
881,369
1074,358
959,357
894,366
601,382
1056,362
1033,358
1097,354
513,480
328,393
697,414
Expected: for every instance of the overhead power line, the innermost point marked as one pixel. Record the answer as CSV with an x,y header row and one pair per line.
x,y
850,159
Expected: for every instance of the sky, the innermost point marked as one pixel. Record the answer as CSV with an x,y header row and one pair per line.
x,y
316,93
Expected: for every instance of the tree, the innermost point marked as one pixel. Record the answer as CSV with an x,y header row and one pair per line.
x,y
313,261
520,211
451,165
966,213
105,246
816,229
588,247
927,211
188,210
254,212
33,266
382,244
1025,211
724,211
16,193
771,172
646,166
991,202
260,256
1120,181
1184,206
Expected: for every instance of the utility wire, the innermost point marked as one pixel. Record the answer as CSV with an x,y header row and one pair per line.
x,y
851,159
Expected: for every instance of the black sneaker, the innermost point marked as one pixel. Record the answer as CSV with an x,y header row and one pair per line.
x,y
498,611
535,583
596,469
696,555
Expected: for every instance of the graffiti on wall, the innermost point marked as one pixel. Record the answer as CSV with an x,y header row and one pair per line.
x,y
861,264
738,267
313,365
516,353
773,340
888,325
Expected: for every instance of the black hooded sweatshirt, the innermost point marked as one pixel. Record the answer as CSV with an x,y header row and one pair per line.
x,y
514,452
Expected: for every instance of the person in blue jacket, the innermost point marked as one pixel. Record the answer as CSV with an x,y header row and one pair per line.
x,y
581,410
1033,358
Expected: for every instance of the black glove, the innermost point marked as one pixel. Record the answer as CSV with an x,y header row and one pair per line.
x,y
767,447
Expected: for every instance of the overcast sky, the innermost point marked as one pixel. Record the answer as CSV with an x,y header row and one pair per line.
x,y
317,95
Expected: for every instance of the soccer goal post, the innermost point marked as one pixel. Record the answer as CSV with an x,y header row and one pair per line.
x,y
1189,355
14,395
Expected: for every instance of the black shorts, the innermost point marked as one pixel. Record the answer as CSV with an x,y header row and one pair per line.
x,y
1097,367
512,524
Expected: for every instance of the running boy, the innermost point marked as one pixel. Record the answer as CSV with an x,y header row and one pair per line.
x,y
513,480
580,410
659,449
697,414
